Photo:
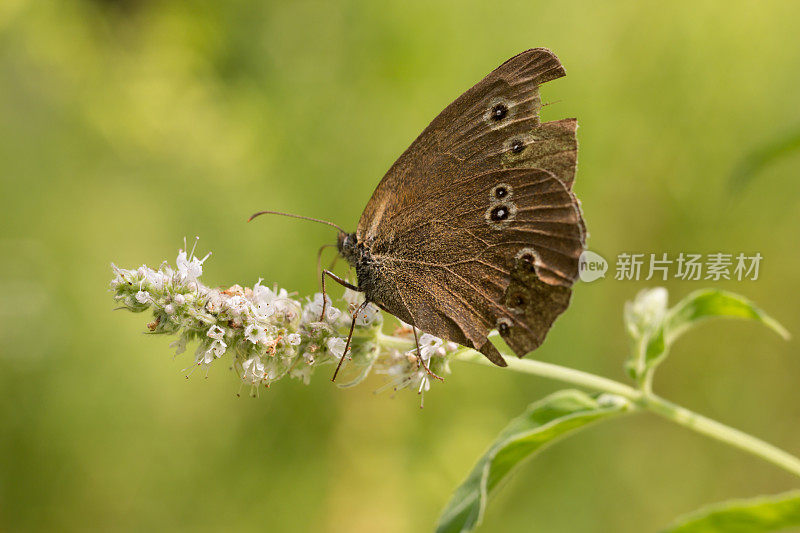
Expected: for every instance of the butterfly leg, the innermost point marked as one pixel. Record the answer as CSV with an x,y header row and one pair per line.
x,y
319,257
338,280
349,338
420,359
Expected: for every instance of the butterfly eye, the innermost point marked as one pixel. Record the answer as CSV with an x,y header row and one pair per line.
x,y
500,192
499,111
527,262
504,326
499,213
526,259
517,146
518,301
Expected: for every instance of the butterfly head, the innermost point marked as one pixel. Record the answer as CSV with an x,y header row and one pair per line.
x,y
347,244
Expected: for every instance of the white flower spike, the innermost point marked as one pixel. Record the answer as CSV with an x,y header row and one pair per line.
x,y
267,334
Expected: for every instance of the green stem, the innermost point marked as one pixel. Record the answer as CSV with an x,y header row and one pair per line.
x,y
721,432
650,402
557,372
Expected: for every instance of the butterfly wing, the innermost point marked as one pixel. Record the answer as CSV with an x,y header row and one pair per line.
x,y
495,124
458,266
475,226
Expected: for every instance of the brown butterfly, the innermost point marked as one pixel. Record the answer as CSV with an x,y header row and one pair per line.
x,y
475,227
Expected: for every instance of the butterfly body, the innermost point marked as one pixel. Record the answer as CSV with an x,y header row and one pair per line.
x,y
475,227
368,269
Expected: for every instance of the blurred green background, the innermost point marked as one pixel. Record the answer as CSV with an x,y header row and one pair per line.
x,y
127,125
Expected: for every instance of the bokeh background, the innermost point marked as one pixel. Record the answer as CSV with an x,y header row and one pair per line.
x,y
127,125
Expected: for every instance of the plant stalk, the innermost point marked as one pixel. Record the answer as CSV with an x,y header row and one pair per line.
x,y
645,400
557,372
721,432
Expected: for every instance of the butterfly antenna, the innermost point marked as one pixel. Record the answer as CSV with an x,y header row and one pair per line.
x,y
296,216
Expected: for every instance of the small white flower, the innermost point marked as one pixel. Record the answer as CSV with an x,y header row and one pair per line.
x,y
189,267
217,349
273,302
179,299
236,305
214,304
336,346
293,339
169,309
155,280
265,295
261,293
313,310
332,313
216,332
255,334
428,345
254,370
368,315
286,308
143,297
264,310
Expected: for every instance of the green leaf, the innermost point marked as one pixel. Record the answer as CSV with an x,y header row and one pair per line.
x,y
542,423
709,303
765,513
653,340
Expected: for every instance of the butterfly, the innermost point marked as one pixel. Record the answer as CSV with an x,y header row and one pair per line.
x,y
475,227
